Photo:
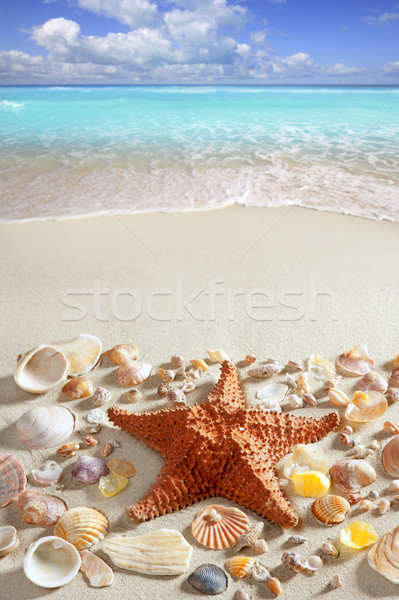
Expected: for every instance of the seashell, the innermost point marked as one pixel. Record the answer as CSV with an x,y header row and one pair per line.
x,y
347,429
354,498
123,354
275,586
133,395
309,399
391,427
372,381
101,396
395,362
290,381
329,549
45,426
336,582
166,375
40,509
106,449
392,394
177,360
313,563
293,365
384,556
135,373
12,479
92,428
394,378
219,527
96,416
111,484
208,579
41,369
248,539
311,484
80,387
89,469
217,356
260,574
123,468
163,389
373,494
351,474
358,534
394,486
375,445
347,440
330,509
177,396
96,570
240,566
332,383
390,457
9,540
260,546
356,362
302,384
366,406
320,367
241,595
338,397
294,401
270,405
194,373
49,474
265,370
297,539
188,385
199,363
89,441
293,561
83,353
51,562
82,526
250,359
383,506
68,450
274,392
365,505
161,552
306,457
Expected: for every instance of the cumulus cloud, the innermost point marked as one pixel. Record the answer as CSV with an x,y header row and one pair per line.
x,y
391,68
383,19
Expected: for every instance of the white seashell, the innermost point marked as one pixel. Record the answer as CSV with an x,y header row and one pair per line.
x,y
195,373
372,381
394,486
9,540
384,555
270,405
356,362
217,356
96,416
96,570
366,406
51,562
297,539
274,392
336,582
12,479
82,352
338,397
320,367
162,552
134,373
390,456
260,574
188,385
41,369
45,426
313,563
306,457
49,474
351,474
294,401
293,365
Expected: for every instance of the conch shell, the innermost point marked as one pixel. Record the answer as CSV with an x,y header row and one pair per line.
x,y
219,527
46,426
41,369
351,474
356,362
40,509
83,353
390,456
384,556
366,406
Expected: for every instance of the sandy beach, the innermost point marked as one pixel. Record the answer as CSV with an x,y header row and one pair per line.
x,y
281,283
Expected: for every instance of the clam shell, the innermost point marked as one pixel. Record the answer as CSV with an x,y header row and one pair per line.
x,y
41,369
89,469
162,552
12,479
123,468
366,406
219,527
351,474
82,526
40,509
320,367
46,426
82,352
208,579
358,534
372,381
274,392
123,353
96,570
49,474
134,374
240,566
306,457
384,556
9,540
51,562
80,387
390,456
356,362
330,509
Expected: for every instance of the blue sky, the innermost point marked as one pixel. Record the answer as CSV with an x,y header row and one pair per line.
x,y
199,41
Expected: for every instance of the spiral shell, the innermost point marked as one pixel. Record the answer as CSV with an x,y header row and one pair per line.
x,y
356,362
240,566
208,579
41,369
384,556
40,509
390,456
80,387
265,370
250,537
330,509
218,355
351,474
135,373
46,426
366,406
219,527
12,479
82,526
372,381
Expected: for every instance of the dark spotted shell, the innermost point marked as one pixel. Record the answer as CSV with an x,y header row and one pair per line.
x,y
208,579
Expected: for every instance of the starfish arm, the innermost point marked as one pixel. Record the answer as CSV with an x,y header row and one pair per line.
x,y
228,388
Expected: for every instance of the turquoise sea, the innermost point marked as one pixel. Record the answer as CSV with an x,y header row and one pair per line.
x,y
76,151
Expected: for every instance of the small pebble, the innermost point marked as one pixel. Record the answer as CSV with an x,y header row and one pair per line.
x,y
106,449
241,595
393,394
384,506
293,365
347,429
336,582
309,399
260,546
329,549
250,359
93,428
96,416
375,445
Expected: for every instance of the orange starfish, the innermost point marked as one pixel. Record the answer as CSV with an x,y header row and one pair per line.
x,y
221,447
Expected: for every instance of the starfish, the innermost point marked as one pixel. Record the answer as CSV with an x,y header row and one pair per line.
x,y
221,447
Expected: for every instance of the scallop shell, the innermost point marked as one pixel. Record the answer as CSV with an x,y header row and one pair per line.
x,y
46,426
338,397
219,527
372,381
366,406
311,484
330,509
240,566
9,540
384,556
80,387
274,392
40,509
41,369
96,570
89,469
51,562
162,552
358,534
12,479
390,456
351,474
82,352
356,362
320,367
134,374
49,474
123,468
82,526
123,354
306,457
208,579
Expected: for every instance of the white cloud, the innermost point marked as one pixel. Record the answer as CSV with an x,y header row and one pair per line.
x,y
383,19
135,13
391,68
258,37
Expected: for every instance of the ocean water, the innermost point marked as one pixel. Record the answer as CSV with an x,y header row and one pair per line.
x,y
78,151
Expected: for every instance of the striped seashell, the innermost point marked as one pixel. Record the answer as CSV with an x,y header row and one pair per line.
x,y
240,566
12,479
40,509
208,579
384,556
135,373
372,381
356,362
390,457
82,526
41,369
96,570
45,426
219,527
330,509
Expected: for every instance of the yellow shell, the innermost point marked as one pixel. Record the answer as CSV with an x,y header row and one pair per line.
x,y
330,509
358,534
311,484
219,527
366,406
240,566
82,527
123,468
306,457
111,484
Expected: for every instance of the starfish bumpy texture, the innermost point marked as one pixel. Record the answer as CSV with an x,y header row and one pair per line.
x,y
221,447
